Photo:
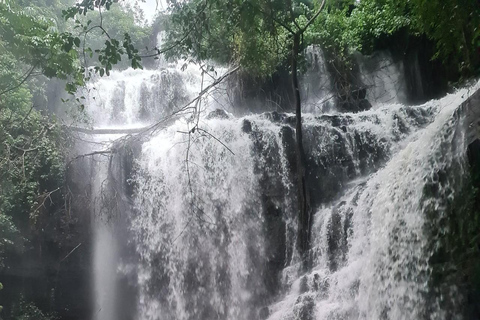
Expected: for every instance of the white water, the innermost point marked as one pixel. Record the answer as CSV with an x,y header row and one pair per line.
x,y
207,206
383,270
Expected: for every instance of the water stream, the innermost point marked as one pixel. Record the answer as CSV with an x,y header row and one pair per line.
x,y
206,225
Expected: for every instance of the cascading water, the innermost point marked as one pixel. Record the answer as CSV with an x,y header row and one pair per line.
x,y
370,249
210,217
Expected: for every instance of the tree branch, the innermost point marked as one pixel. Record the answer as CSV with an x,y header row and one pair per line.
x,y
21,82
103,152
315,16
106,131
211,135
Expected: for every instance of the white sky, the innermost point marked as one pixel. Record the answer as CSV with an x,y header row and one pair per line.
x,y
150,7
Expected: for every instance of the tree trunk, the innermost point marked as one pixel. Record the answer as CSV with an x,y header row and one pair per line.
x,y
107,131
304,214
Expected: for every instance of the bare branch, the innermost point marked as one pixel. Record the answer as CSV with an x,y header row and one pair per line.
x,y
103,152
211,135
71,252
106,131
45,196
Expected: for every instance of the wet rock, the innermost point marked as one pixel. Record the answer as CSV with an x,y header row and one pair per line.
x,y
288,140
336,120
353,101
335,241
218,114
321,285
246,126
304,285
264,313
304,307
275,116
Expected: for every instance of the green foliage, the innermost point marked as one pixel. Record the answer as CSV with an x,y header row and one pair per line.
x,y
31,166
104,43
9,239
31,145
256,34
35,41
341,31
453,25
115,28
31,34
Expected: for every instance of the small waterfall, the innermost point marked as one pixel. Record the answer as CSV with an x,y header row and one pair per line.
x,y
317,87
106,251
105,277
382,75
208,223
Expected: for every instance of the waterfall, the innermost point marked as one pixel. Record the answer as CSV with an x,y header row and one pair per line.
x,y
208,218
370,247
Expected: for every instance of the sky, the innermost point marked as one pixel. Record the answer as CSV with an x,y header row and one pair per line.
x,y
150,7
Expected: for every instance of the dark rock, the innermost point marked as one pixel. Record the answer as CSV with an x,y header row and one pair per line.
x,y
274,116
304,307
304,285
336,120
218,114
335,241
353,105
246,126
264,313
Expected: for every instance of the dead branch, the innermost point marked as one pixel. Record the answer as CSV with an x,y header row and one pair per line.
x,y
71,252
106,131
103,152
45,196
219,141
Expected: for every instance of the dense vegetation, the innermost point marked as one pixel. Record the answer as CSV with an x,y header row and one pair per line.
x,y
36,44
44,39
255,32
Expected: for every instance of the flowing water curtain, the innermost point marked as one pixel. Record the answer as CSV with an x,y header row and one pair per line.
x,y
198,225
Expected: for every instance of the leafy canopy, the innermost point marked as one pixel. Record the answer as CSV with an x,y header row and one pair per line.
x,y
256,34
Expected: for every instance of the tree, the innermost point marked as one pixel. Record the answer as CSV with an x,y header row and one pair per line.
x,y
454,26
451,25
37,44
258,35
